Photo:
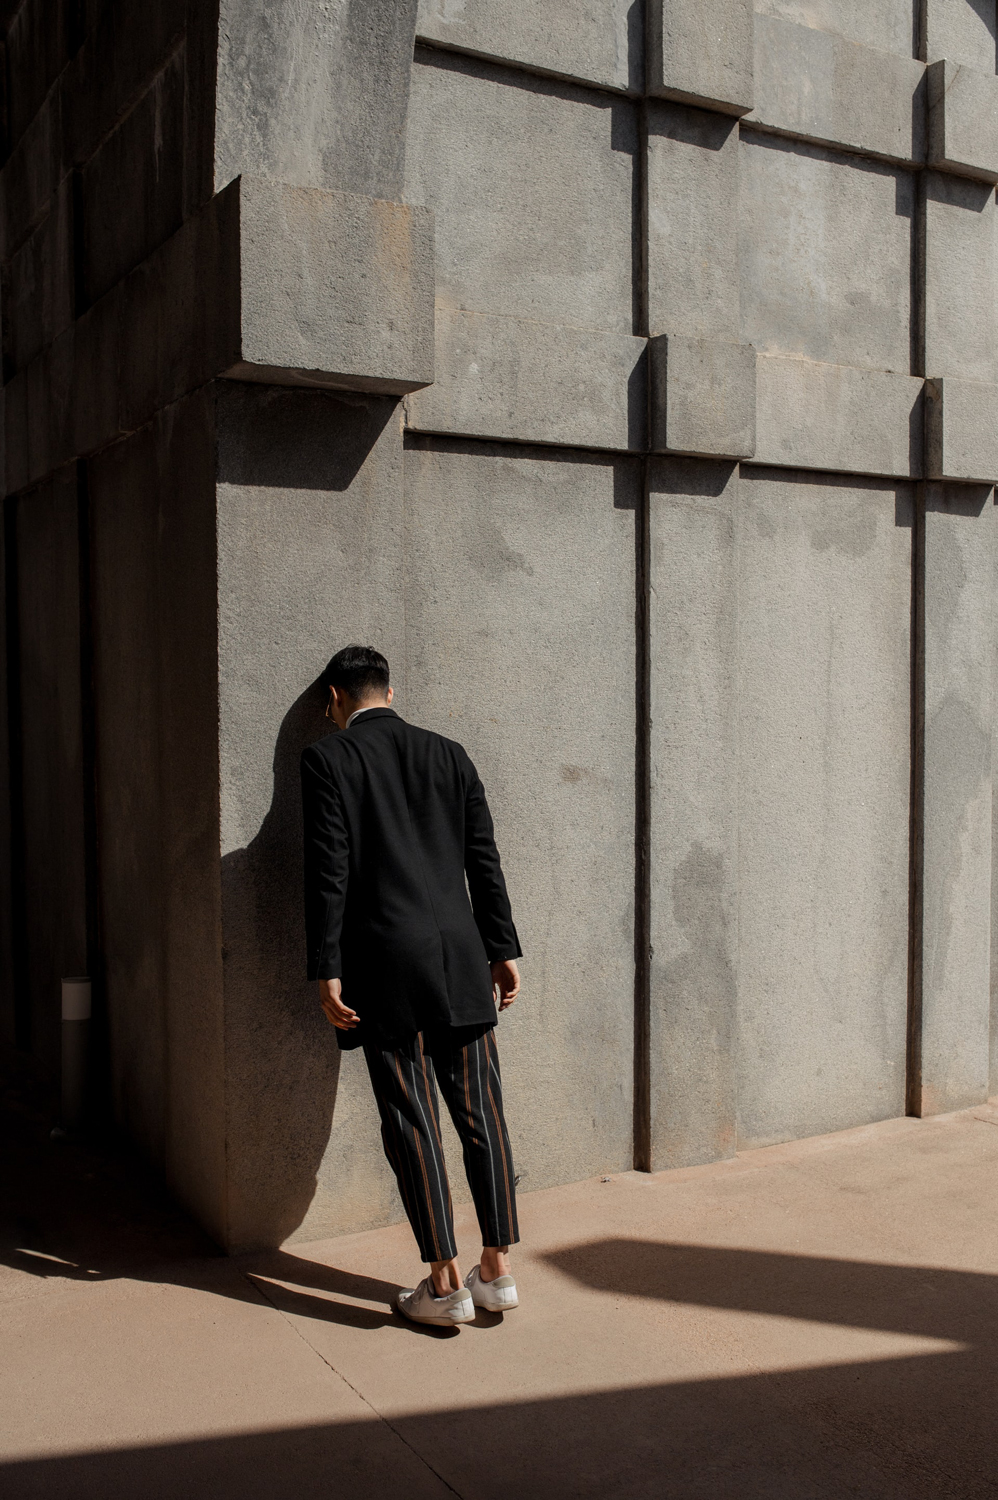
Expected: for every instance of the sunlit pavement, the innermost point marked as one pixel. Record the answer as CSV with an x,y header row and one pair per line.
x,y
810,1320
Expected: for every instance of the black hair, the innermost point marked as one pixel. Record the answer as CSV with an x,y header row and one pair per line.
x,y
358,671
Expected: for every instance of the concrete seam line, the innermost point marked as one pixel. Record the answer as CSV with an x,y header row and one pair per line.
x,y
380,1415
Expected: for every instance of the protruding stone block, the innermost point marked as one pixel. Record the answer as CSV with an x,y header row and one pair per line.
x,y
961,30
961,430
822,416
961,334
700,52
337,289
813,84
533,382
963,120
703,397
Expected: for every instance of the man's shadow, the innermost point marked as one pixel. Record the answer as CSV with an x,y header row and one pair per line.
x,y
282,1063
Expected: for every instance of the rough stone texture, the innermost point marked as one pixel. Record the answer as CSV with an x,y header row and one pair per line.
x,y
962,31
886,24
824,605
825,255
156,698
336,289
533,382
53,942
960,287
692,250
814,84
521,231
531,601
958,584
961,430
310,557
700,52
826,416
963,120
38,286
597,40
702,397
314,96
693,932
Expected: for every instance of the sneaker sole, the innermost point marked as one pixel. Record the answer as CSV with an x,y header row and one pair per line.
x,y
502,1307
434,1322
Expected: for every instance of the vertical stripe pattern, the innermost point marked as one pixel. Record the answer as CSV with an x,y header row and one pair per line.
x,y
464,1063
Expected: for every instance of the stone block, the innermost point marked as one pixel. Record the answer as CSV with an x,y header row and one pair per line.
x,y
956,797
692,254
597,43
824,730
520,587
823,87
961,336
692,811
826,245
314,97
534,383
533,192
962,31
141,163
700,52
309,524
38,43
961,430
963,120
336,289
702,397
885,24
38,284
818,416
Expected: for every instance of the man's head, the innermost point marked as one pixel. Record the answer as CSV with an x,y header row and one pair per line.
x,y
357,677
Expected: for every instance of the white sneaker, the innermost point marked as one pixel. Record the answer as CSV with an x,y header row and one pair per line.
x,y
422,1305
496,1296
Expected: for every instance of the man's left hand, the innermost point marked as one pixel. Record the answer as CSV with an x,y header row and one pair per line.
x,y
341,1016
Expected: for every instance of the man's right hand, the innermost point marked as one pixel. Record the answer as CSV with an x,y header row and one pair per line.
x,y
341,1016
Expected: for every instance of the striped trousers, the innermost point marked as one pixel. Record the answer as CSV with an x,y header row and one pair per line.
x,y
464,1062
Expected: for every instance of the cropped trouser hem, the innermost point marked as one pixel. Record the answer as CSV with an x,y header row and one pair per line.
x,y
464,1063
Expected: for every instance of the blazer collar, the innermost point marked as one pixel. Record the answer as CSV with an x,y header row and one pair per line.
x,y
374,713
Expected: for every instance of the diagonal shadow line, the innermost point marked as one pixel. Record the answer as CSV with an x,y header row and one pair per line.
x,y
934,1302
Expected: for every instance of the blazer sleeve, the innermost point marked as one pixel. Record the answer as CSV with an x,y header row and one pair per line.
x,y
326,866
489,898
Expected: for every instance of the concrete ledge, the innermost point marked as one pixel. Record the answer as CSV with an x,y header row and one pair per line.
x,y
703,397
533,382
963,120
595,44
248,288
818,416
961,430
700,52
336,289
815,85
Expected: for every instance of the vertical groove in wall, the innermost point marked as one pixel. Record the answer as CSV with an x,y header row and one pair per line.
x,y
913,1061
642,842
919,31
18,913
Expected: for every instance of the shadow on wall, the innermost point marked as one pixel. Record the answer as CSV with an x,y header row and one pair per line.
x,y
279,1047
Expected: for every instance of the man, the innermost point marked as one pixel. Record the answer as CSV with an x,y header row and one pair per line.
x,y
409,958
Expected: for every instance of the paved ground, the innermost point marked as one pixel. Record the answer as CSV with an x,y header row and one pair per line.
x,y
814,1320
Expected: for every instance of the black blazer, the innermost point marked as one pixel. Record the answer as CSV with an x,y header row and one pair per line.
x,y
395,818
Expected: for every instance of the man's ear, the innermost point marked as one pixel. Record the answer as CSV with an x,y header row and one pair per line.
x,y
391,695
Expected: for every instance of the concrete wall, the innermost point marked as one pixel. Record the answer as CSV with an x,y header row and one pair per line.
x,y
646,414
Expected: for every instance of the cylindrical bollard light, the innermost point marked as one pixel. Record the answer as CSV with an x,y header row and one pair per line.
x,y
75,1049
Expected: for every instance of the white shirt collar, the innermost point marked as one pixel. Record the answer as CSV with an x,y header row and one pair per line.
x,y
358,711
